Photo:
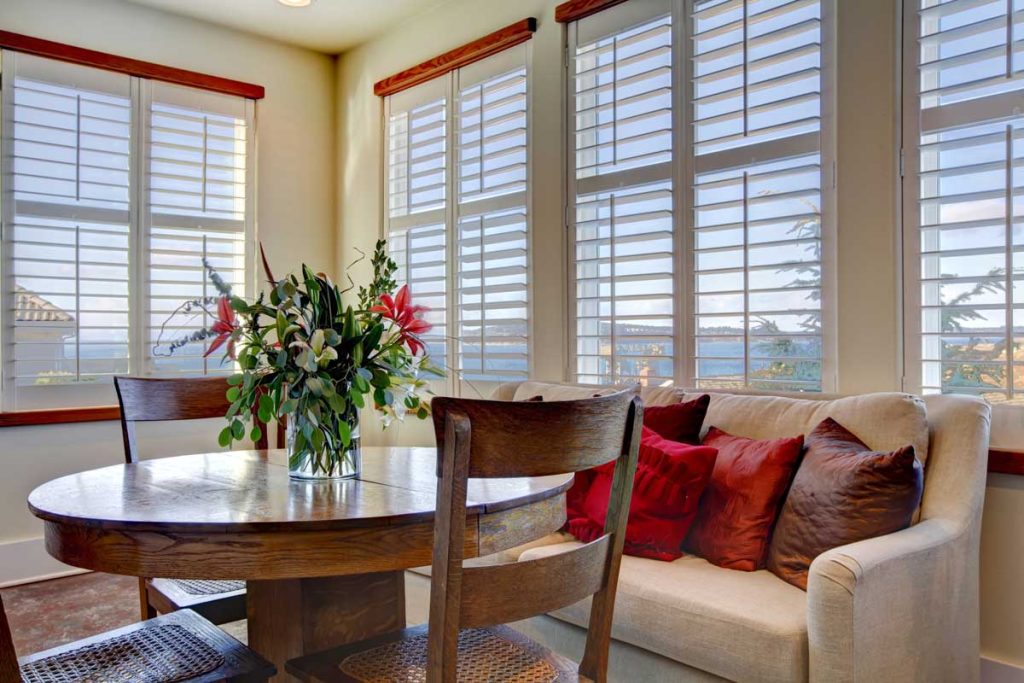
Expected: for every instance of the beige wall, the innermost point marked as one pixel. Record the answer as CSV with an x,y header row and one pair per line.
x,y
295,205
866,274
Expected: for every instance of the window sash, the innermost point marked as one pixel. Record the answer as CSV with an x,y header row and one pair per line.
x,y
962,146
481,209
690,159
134,212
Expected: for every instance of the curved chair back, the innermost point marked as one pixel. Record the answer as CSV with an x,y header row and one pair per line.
x,y
516,439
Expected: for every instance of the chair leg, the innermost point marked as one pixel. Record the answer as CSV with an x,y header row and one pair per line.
x,y
145,609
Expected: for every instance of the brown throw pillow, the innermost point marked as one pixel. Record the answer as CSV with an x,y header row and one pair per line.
x,y
843,492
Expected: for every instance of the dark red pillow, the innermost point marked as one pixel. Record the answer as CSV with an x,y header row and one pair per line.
x,y
843,492
742,501
679,421
670,478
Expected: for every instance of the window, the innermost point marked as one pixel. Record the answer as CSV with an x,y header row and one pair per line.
x,y
457,212
964,243
113,190
696,194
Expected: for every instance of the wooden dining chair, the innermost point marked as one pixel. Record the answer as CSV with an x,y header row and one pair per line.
x,y
465,639
175,647
146,399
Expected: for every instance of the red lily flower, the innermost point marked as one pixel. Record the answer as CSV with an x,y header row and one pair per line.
x,y
406,316
224,325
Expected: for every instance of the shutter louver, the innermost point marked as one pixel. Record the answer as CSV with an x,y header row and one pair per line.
x,y
491,226
969,250
756,226
625,286
624,100
67,242
624,246
419,254
195,208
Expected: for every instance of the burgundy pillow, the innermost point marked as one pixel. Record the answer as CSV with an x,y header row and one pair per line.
x,y
843,492
670,478
742,501
679,421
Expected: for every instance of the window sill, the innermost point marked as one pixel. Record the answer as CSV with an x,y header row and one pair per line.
x,y
25,418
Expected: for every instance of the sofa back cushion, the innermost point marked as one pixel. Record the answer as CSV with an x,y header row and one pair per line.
x,y
550,391
884,421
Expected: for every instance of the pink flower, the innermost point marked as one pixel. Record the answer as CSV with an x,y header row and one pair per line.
x,y
224,326
406,316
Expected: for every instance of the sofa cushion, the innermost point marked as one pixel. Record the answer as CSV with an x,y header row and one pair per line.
x,y
843,493
884,421
743,626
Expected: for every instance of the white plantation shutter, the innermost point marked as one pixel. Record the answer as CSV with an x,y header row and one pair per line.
x,y
459,231
491,219
757,237
621,188
964,250
416,127
113,189
195,206
66,193
697,194
420,255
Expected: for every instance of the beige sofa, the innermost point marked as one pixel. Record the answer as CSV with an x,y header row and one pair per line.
x,y
902,607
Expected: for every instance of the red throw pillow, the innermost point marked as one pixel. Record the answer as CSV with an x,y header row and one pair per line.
x,y
670,478
679,421
743,499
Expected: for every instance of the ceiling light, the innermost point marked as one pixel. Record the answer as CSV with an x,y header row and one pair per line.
x,y
296,3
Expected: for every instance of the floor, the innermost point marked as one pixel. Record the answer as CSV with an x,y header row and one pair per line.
x,y
51,613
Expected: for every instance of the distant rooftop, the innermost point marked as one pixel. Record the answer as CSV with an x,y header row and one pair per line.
x,y
30,307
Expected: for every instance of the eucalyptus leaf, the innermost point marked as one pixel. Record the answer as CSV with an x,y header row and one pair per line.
x,y
224,438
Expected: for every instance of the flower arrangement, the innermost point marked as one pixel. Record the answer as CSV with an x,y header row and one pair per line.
x,y
304,354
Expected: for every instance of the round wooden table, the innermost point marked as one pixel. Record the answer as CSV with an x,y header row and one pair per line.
x,y
324,562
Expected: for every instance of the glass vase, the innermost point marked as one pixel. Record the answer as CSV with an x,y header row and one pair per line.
x,y
335,461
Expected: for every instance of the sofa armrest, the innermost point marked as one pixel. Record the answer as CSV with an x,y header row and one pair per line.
x,y
897,607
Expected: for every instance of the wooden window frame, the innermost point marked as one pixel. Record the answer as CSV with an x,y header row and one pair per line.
x,y
577,9
126,65
474,51
133,67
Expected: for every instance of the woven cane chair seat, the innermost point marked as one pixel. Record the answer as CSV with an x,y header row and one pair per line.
x,y
491,654
162,654
206,587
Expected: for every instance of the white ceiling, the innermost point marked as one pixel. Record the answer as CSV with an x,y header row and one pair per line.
x,y
330,26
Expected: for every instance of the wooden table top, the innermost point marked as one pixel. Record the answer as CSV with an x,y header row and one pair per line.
x,y
251,491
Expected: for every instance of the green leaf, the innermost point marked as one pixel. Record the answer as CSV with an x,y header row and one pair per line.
x,y
237,430
346,433
235,380
331,337
256,434
288,406
357,354
233,394
315,385
422,413
337,403
356,398
224,438
360,383
411,402
266,408
378,397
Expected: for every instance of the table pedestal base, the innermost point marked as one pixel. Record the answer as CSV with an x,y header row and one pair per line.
x,y
293,617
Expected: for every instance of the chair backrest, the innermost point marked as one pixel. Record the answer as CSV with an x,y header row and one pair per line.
x,y
516,439
9,671
149,399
